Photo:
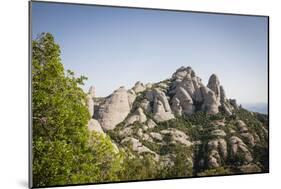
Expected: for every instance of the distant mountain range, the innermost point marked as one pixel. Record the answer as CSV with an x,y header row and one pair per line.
x,y
256,107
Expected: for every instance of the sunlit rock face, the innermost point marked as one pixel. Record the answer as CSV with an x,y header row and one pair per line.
x,y
155,119
114,110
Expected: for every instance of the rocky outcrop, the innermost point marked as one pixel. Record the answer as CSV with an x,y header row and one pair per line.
x,y
114,110
139,87
131,97
137,116
217,150
151,124
177,136
218,132
145,105
181,73
138,147
214,85
156,136
182,102
207,142
210,103
90,104
161,107
189,94
94,125
90,100
238,146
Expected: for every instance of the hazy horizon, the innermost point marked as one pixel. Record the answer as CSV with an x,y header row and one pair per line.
x,y
116,47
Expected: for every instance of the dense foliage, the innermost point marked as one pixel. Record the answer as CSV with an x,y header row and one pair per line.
x,y
63,150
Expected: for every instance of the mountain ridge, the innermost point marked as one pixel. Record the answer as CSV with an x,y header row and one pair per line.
x,y
182,114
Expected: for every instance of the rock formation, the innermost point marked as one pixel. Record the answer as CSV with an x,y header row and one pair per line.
x,y
114,110
181,113
214,85
139,87
161,107
94,125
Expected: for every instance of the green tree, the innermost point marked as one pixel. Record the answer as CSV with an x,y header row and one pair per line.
x,y
63,150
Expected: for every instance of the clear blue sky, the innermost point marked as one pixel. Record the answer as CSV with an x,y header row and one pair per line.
x,y
119,46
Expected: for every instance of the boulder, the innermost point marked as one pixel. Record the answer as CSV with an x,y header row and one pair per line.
x,y
160,114
222,95
218,145
182,102
177,136
131,97
156,136
161,107
197,95
138,147
151,124
90,104
137,116
139,87
214,159
238,145
94,125
145,105
148,85
241,126
214,85
218,132
187,84
182,72
249,138
210,103
126,131
114,110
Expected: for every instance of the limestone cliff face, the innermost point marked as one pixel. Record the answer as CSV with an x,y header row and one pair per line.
x,y
181,111
191,93
182,94
114,110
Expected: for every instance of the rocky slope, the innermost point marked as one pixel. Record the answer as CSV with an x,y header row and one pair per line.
x,y
182,115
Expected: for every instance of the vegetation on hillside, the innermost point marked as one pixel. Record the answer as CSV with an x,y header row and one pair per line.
x,y
65,152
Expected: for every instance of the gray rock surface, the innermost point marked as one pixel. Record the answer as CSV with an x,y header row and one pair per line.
x,y
151,124
218,132
145,105
137,116
214,85
94,125
177,136
138,147
114,110
182,102
139,87
156,136
237,145
210,104
161,107
90,104
131,97
217,150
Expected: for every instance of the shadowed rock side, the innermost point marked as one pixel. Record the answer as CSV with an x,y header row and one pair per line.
x,y
183,113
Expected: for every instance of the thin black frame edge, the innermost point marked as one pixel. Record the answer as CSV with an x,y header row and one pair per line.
x,y
30,180
146,8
